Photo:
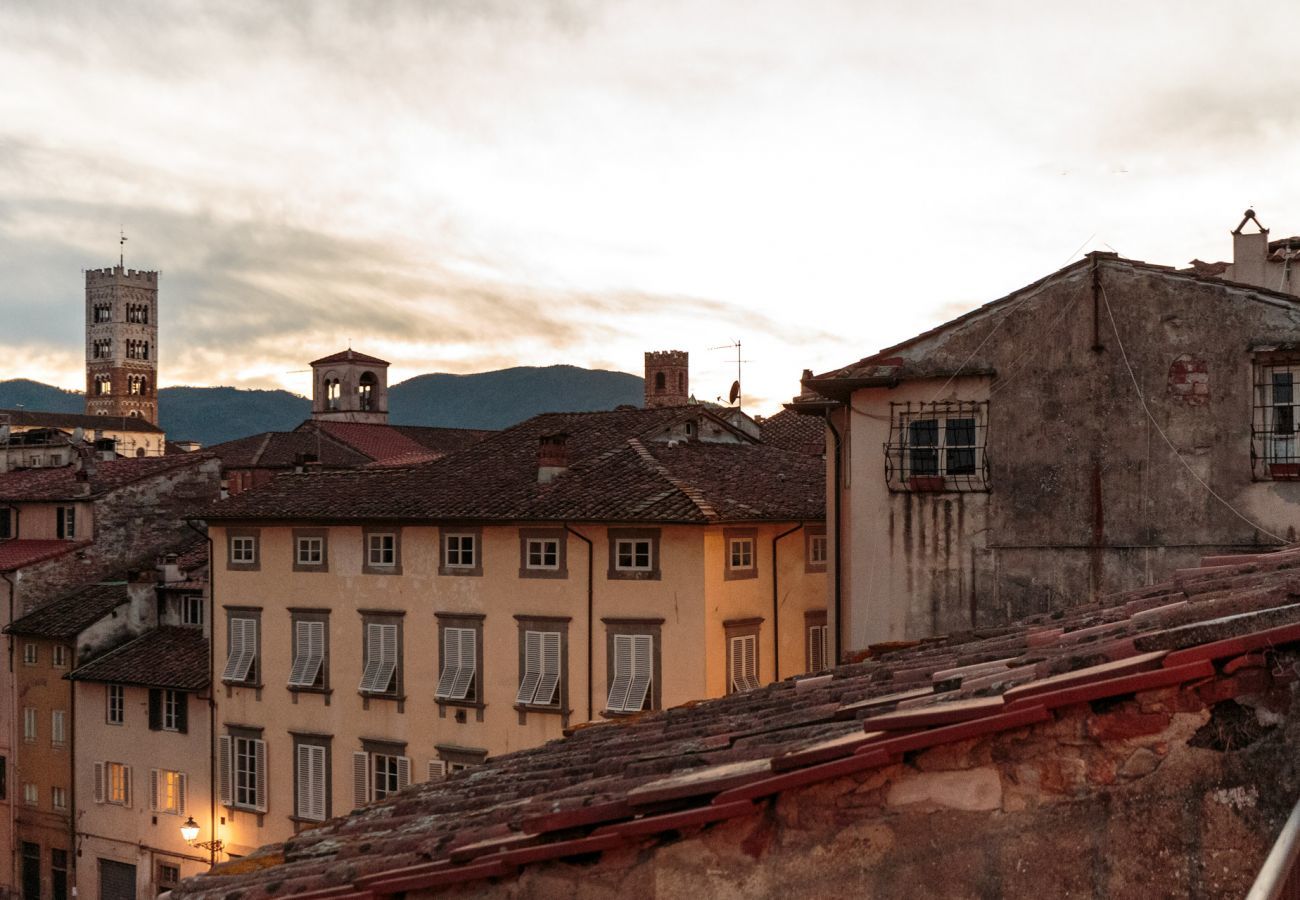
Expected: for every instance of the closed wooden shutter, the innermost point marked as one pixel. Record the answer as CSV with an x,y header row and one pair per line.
x,y
182,790
437,769
816,648
99,782
182,712
224,766
259,757
403,771
155,709
311,782
154,789
126,785
360,778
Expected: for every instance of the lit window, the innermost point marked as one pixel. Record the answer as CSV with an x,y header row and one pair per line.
x,y
113,783
167,790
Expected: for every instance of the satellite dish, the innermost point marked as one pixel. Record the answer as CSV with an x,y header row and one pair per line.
x,y
735,392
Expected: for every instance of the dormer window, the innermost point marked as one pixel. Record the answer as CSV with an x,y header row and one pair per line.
x,y
937,447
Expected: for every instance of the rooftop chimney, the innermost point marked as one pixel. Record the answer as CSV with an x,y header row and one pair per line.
x,y
552,457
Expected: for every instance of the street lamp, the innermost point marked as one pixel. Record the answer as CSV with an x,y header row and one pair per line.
x,y
190,831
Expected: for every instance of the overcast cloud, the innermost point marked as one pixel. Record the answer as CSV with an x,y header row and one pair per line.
x,y
459,186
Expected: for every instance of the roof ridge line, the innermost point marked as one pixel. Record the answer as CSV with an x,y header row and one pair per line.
x,y
693,494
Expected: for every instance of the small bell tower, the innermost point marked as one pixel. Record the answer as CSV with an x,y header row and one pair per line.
x,y
350,387
122,342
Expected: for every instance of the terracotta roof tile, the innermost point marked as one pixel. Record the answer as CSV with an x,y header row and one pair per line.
x,y
18,553
284,449
65,618
349,355
109,475
169,657
26,418
791,431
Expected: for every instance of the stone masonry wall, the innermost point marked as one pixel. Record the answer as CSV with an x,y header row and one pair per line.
x,y
1169,793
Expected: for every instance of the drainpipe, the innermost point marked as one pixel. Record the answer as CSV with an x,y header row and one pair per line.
x,y
12,774
837,478
776,608
212,695
70,736
590,613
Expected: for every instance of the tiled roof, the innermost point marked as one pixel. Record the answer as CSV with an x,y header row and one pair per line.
x,y
19,553
349,355
24,418
791,431
442,440
62,484
377,442
68,616
617,473
283,449
634,783
169,657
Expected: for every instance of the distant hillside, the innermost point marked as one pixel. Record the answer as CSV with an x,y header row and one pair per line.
x,y
498,399
502,398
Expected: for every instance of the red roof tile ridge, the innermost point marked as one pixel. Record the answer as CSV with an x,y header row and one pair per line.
x,y
693,494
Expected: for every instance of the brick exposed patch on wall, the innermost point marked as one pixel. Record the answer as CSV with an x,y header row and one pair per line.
x,y
1189,380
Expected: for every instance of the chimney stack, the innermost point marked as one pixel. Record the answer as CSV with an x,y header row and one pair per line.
x,y
552,457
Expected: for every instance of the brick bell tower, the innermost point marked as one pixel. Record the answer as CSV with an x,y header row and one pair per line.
x,y
122,343
667,378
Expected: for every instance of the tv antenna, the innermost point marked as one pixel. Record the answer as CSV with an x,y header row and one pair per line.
x,y
121,247
734,396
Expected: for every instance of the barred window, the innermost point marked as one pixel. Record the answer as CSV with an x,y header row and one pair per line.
x,y
1274,452
937,446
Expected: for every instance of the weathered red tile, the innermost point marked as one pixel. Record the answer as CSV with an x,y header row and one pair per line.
x,y
700,782
595,843
938,714
701,815
1028,715
824,751
578,817
1102,672
1114,687
857,762
1270,637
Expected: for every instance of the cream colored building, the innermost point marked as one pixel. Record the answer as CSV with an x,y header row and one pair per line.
x,y
381,626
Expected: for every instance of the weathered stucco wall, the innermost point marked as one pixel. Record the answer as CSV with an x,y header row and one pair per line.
x,y
1085,497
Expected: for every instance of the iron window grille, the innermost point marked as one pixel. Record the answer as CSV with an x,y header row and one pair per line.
x,y
1275,442
937,447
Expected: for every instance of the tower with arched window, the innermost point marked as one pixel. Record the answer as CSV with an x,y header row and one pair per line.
x,y
122,343
667,378
350,387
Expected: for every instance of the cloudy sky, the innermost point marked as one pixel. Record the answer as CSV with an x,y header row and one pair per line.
x,y
461,186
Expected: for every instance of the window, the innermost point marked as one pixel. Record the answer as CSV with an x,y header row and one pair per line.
x,y
242,777
453,758
66,523
309,671
168,710
167,791
379,771
366,391
333,391
58,727
382,652
29,724
309,550
242,649
103,385
629,688
60,656
383,551
192,610
461,551
543,553
6,524
103,313
31,794
1274,452
101,348
818,640
243,550
31,653
742,654
634,554
31,870
459,677
539,683
741,560
59,797
169,877
113,783
936,447
4,778
816,549
59,872
116,712
311,777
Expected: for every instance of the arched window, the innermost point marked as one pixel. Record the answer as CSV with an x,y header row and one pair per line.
x,y
333,390
103,385
144,386
366,390
661,383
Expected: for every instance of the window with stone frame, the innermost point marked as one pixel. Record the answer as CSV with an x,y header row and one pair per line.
x,y
167,791
741,553
311,550
742,637
381,674
379,770
243,646
66,523
543,664
634,554
243,551
633,664
168,877
168,710
382,548
192,609
115,704
816,548
241,767
817,644
112,783
312,777
543,553
461,551
455,758
310,632
937,446
460,642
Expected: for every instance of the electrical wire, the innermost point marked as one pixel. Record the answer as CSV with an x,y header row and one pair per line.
x,y
1142,400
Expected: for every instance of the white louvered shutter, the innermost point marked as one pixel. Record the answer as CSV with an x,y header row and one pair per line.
x,y
302,789
374,658
126,785
99,782
450,661
532,667
243,648
153,789
460,689
403,771
259,760
311,782
642,671
360,778
224,768
618,688
751,661
548,688
182,790
310,653
816,648
388,655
